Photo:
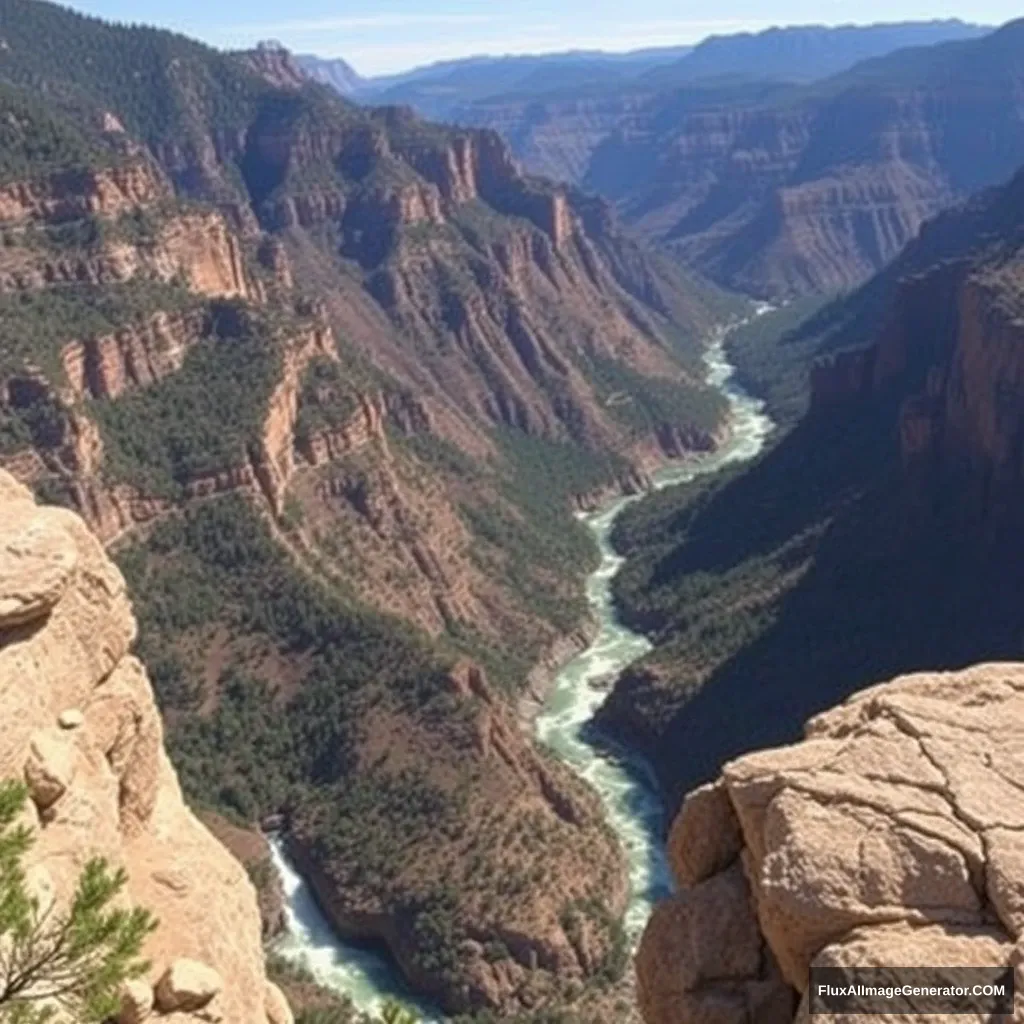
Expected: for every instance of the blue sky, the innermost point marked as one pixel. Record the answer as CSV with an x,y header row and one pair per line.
x,y
381,36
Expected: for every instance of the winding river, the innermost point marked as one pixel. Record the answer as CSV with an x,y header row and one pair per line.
x,y
624,782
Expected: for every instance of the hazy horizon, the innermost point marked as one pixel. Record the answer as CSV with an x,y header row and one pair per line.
x,y
383,37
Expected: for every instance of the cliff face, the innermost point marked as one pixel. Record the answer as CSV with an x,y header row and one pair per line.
x,y
111,364
951,342
81,727
890,834
195,246
782,202
68,196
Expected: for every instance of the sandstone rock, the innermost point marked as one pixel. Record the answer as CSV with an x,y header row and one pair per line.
x,y
705,836
49,769
136,1002
37,560
71,719
186,986
891,835
106,788
701,958
276,1006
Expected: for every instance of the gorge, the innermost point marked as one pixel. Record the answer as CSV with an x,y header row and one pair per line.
x,y
434,508
563,723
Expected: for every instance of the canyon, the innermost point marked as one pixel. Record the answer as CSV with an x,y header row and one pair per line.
x,y
906,451
330,385
781,189
348,396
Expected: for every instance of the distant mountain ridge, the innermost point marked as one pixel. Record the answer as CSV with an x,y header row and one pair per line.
x,y
805,53
781,163
799,53
435,89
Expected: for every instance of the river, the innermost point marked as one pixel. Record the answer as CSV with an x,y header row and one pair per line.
x,y
624,782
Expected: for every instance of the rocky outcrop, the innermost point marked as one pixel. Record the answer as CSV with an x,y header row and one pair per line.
x,y
890,834
330,444
275,463
108,193
133,357
197,246
204,248
82,729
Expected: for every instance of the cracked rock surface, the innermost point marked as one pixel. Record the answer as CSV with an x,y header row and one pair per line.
x,y
892,835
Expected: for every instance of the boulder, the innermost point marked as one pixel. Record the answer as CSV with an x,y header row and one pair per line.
x,y
37,564
187,986
891,834
71,719
49,768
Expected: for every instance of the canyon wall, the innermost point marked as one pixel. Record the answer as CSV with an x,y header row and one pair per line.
x,y
782,190
82,730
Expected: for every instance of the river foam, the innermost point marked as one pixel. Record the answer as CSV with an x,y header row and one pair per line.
x,y
624,782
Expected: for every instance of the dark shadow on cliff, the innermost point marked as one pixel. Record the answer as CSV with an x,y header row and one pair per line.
x,y
900,574
896,585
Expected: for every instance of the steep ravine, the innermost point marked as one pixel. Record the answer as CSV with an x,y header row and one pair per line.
x,y
623,781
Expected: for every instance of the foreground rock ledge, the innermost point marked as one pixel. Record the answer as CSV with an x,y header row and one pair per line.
x,y
79,725
892,835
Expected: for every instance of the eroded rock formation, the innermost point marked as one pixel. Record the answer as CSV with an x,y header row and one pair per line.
x,y
891,834
80,727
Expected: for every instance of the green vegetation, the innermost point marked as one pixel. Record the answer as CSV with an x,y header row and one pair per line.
x,y
35,326
219,565
36,140
36,418
327,400
162,86
219,568
205,419
521,517
545,552
77,960
773,354
647,404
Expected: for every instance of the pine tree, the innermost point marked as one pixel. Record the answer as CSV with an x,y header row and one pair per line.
x,y
73,961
